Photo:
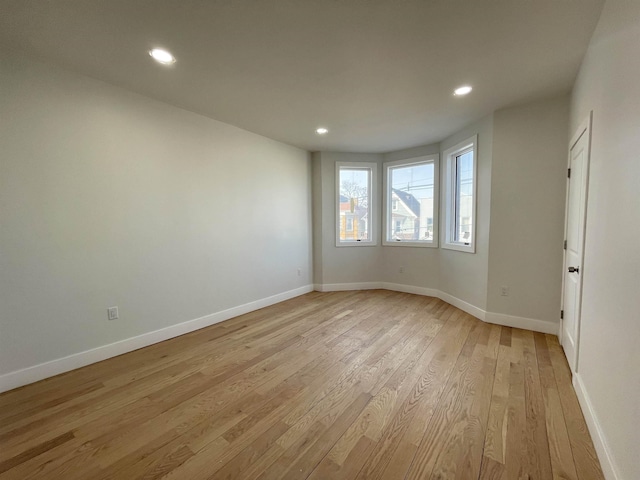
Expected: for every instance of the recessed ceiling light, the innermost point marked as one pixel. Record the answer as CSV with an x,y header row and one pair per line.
x,y
322,131
462,90
162,56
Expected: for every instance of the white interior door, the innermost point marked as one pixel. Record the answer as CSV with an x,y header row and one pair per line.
x,y
575,231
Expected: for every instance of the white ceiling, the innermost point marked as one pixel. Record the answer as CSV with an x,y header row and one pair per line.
x,y
378,73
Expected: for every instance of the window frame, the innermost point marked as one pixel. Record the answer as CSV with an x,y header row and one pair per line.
x,y
388,199
450,197
373,199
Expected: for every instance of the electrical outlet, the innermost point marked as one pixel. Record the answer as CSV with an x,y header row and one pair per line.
x,y
401,269
504,291
112,313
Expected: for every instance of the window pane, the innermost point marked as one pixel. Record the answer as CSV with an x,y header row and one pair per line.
x,y
464,198
355,200
411,198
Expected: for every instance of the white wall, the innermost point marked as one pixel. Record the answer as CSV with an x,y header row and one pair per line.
x,y
110,198
464,275
335,265
609,362
528,189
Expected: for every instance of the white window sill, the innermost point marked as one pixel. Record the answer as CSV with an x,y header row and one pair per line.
x,y
409,243
356,244
460,247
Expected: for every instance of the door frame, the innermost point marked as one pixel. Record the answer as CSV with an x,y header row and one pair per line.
x,y
583,129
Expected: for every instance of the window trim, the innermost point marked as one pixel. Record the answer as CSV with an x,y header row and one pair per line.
x,y
387,206
373,200
449,195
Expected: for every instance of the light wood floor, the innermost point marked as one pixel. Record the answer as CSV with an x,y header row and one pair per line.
x,y
371,384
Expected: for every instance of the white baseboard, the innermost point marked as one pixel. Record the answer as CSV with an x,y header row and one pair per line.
x,y
607,463
398,287
462,305
339,287
32,374
534,324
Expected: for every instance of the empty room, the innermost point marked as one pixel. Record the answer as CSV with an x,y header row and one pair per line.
x,y
344,239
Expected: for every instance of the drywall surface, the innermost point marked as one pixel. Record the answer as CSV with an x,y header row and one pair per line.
x,y
110,198
464,275
420,265
528,189
412,152
609,357
350,264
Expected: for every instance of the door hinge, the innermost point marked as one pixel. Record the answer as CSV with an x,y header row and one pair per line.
x,y
565,244
561,314
569,173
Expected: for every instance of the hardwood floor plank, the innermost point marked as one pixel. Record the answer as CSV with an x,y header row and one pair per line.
x,y
327,468
516,439
153,466
28,409
538,456
495,444
505,337
491,469
35,451
470,456
493,342
251,454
